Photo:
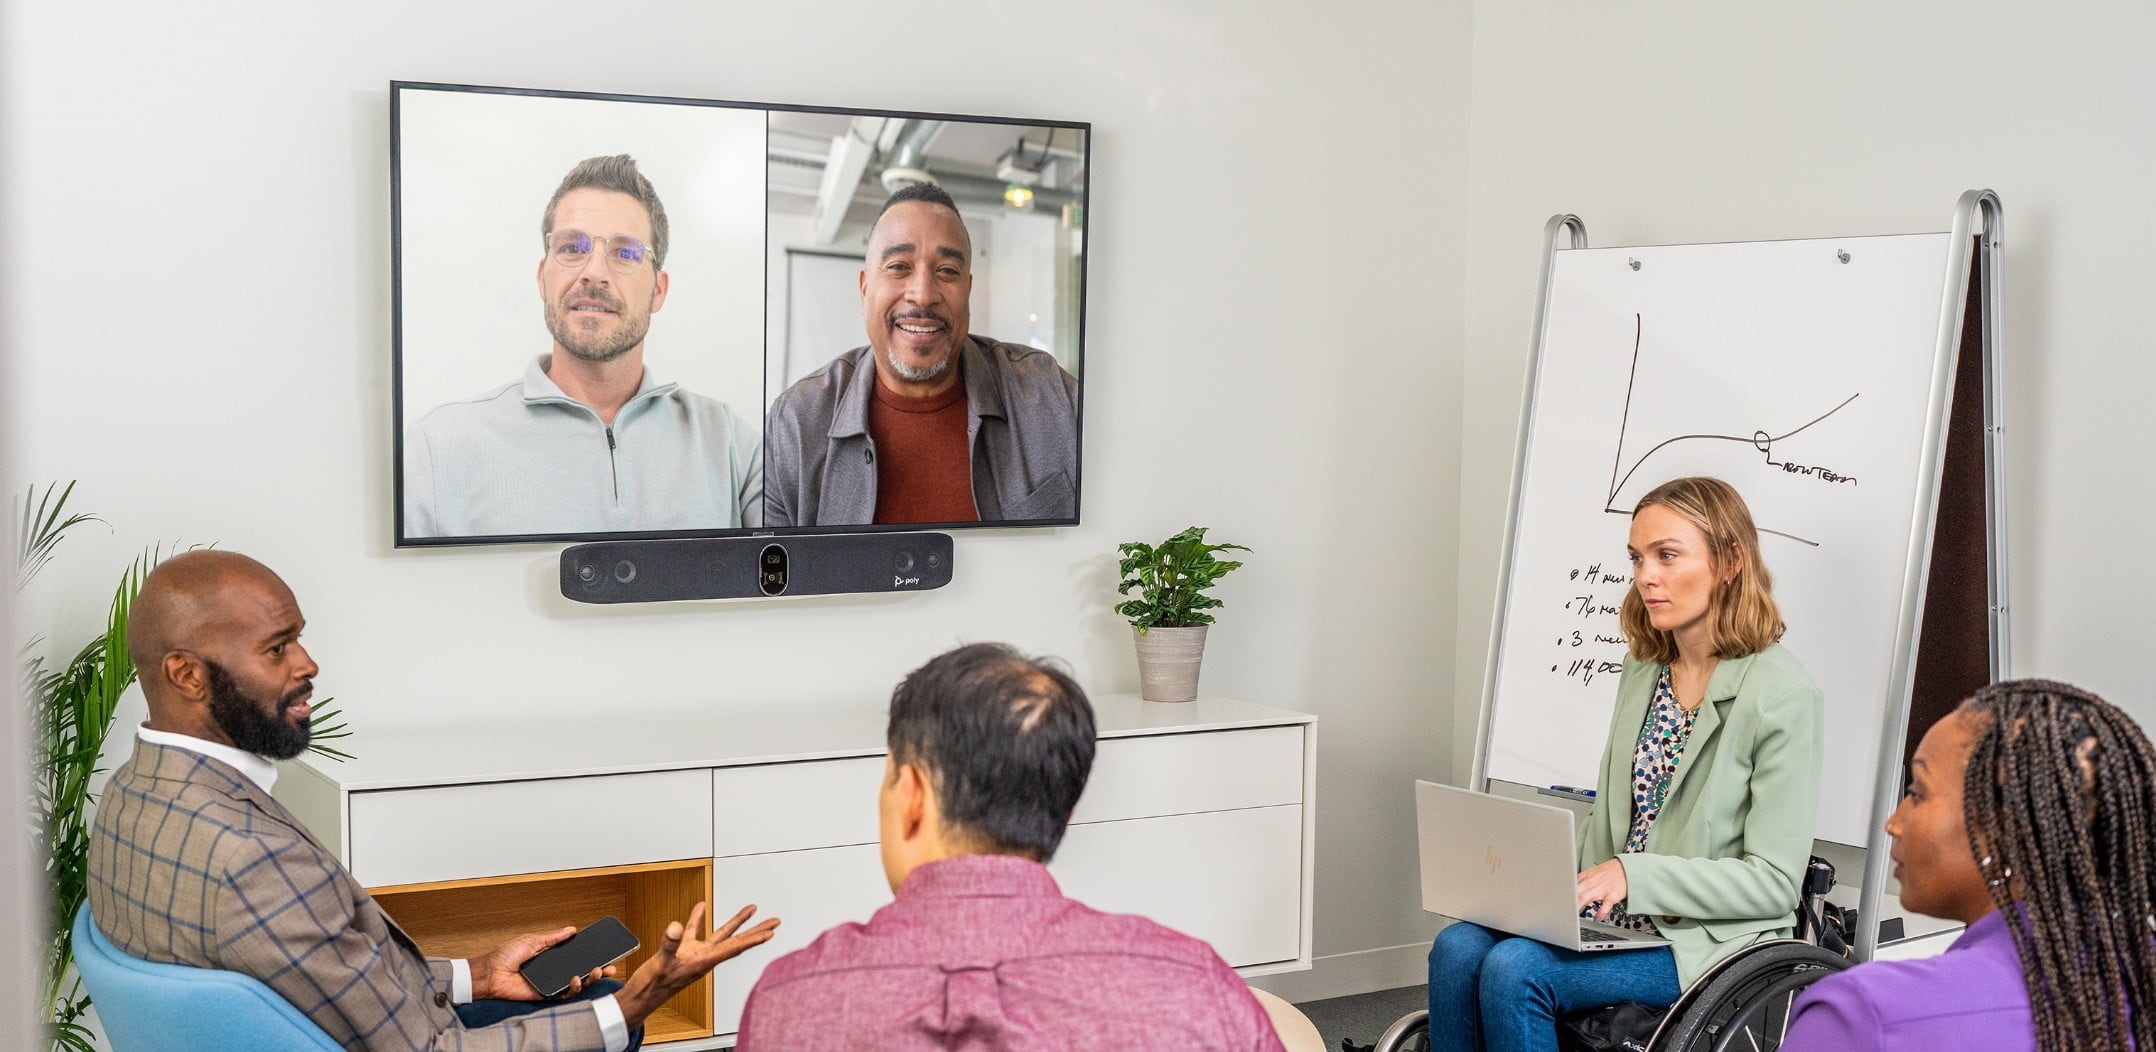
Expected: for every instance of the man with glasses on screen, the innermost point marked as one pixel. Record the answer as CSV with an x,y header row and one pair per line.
x,y
588,441
928,423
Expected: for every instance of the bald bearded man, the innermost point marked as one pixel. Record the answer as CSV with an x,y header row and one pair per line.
x,y
192,862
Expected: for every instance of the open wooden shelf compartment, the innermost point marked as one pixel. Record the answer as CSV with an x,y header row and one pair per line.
x,y
465,918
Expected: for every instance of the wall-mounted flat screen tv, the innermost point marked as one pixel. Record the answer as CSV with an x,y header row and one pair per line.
x,y
626,316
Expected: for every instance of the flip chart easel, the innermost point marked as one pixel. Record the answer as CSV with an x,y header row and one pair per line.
x,y
1840,385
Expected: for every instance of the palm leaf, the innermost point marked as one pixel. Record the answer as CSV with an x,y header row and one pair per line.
x,y
39,527
328,725
75,706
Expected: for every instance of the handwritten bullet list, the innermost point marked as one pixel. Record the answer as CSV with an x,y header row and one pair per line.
x,y
1585,649
1594,574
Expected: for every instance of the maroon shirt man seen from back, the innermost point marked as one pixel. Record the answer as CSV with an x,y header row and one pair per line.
x,y
983,952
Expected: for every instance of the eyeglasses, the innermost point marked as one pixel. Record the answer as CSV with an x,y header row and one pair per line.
x,y
573,248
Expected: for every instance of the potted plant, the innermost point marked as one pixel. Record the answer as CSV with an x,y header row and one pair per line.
x,y
1168,617
71,711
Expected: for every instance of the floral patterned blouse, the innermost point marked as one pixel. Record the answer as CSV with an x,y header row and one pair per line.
x,y
1662,737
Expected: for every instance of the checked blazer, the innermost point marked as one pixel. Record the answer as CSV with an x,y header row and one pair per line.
x,y
192,863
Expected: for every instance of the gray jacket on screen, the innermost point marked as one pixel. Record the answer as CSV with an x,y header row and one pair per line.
x,y
1021,423
527,459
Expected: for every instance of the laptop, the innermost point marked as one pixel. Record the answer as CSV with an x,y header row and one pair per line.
x,y
1509,865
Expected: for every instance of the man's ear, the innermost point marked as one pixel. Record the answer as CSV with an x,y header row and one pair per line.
x,y
910,799
185,674
658,292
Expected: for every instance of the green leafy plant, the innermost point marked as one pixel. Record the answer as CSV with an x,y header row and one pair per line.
x,y
71,710
1171,578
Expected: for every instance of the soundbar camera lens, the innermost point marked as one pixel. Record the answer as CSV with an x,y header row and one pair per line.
x,y
625,571
771,575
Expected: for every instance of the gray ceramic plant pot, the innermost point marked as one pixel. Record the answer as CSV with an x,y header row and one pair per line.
x,y
1168,662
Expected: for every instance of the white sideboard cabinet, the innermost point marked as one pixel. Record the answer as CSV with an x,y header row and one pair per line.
x,y
1197,815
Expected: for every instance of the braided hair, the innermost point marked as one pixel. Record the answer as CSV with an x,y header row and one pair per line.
x,y
2060,800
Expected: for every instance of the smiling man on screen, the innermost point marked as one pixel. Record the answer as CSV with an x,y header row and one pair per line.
x,y
928,423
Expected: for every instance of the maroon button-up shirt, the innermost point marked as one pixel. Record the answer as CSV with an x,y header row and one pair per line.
x,y
984,952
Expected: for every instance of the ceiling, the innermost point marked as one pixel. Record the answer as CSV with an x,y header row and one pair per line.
x,y
964,157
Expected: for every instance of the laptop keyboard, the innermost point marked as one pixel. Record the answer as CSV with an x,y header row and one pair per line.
x,y
1610,934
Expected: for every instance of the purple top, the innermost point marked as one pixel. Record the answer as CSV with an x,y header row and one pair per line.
x,y
984,952
1971,996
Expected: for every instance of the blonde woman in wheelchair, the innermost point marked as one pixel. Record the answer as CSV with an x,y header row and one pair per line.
x,y
1705,800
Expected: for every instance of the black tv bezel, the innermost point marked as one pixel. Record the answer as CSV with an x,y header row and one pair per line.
x,y
396,292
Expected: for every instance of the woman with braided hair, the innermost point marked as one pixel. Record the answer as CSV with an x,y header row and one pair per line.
x,y
2030,816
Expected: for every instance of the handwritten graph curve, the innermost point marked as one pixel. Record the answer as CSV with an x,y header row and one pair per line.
x,y
1760,440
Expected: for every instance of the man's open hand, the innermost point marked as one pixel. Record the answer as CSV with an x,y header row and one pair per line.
x,y
684,957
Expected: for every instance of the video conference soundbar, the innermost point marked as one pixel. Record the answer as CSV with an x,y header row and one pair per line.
x,y
656,571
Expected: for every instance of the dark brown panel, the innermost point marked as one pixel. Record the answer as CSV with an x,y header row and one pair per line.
x,y
1953,655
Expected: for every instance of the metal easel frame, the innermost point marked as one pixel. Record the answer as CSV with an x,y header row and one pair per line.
x,y
1478,776
1978,229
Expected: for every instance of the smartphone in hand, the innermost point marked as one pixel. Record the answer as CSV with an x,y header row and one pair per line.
x,y
550,971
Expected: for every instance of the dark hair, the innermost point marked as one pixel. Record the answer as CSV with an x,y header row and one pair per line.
x,y
2060,801
617,173
927,192
1005,740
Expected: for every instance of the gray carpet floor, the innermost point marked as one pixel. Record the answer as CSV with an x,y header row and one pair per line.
x,y
1362,1017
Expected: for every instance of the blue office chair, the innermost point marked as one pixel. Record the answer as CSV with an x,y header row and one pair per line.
x,y
149,1007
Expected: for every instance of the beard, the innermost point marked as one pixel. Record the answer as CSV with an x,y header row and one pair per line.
x,y
597,347
249,725
919,373
923,373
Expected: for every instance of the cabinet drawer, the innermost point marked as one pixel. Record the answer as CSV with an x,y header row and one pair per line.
x,y
832,803
809,891
457,832
1231,878
793,806
1175,774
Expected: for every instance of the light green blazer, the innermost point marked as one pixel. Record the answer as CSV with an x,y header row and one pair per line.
x,y
1726,857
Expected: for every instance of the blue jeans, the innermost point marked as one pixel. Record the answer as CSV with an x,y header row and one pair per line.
x,y
1489,990
487,1013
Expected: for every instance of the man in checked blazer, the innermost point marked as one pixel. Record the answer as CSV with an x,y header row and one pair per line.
x,y
192,862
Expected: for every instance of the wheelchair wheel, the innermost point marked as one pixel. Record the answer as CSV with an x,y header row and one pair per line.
x,y
1411,1033
1745,1003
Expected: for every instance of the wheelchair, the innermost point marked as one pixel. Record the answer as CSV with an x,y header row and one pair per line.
x,y
1743,1002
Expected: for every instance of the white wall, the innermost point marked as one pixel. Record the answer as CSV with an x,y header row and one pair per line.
x,y
198,206
24,906
1701,121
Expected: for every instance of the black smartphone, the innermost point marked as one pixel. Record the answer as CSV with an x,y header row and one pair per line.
x,y
551,970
